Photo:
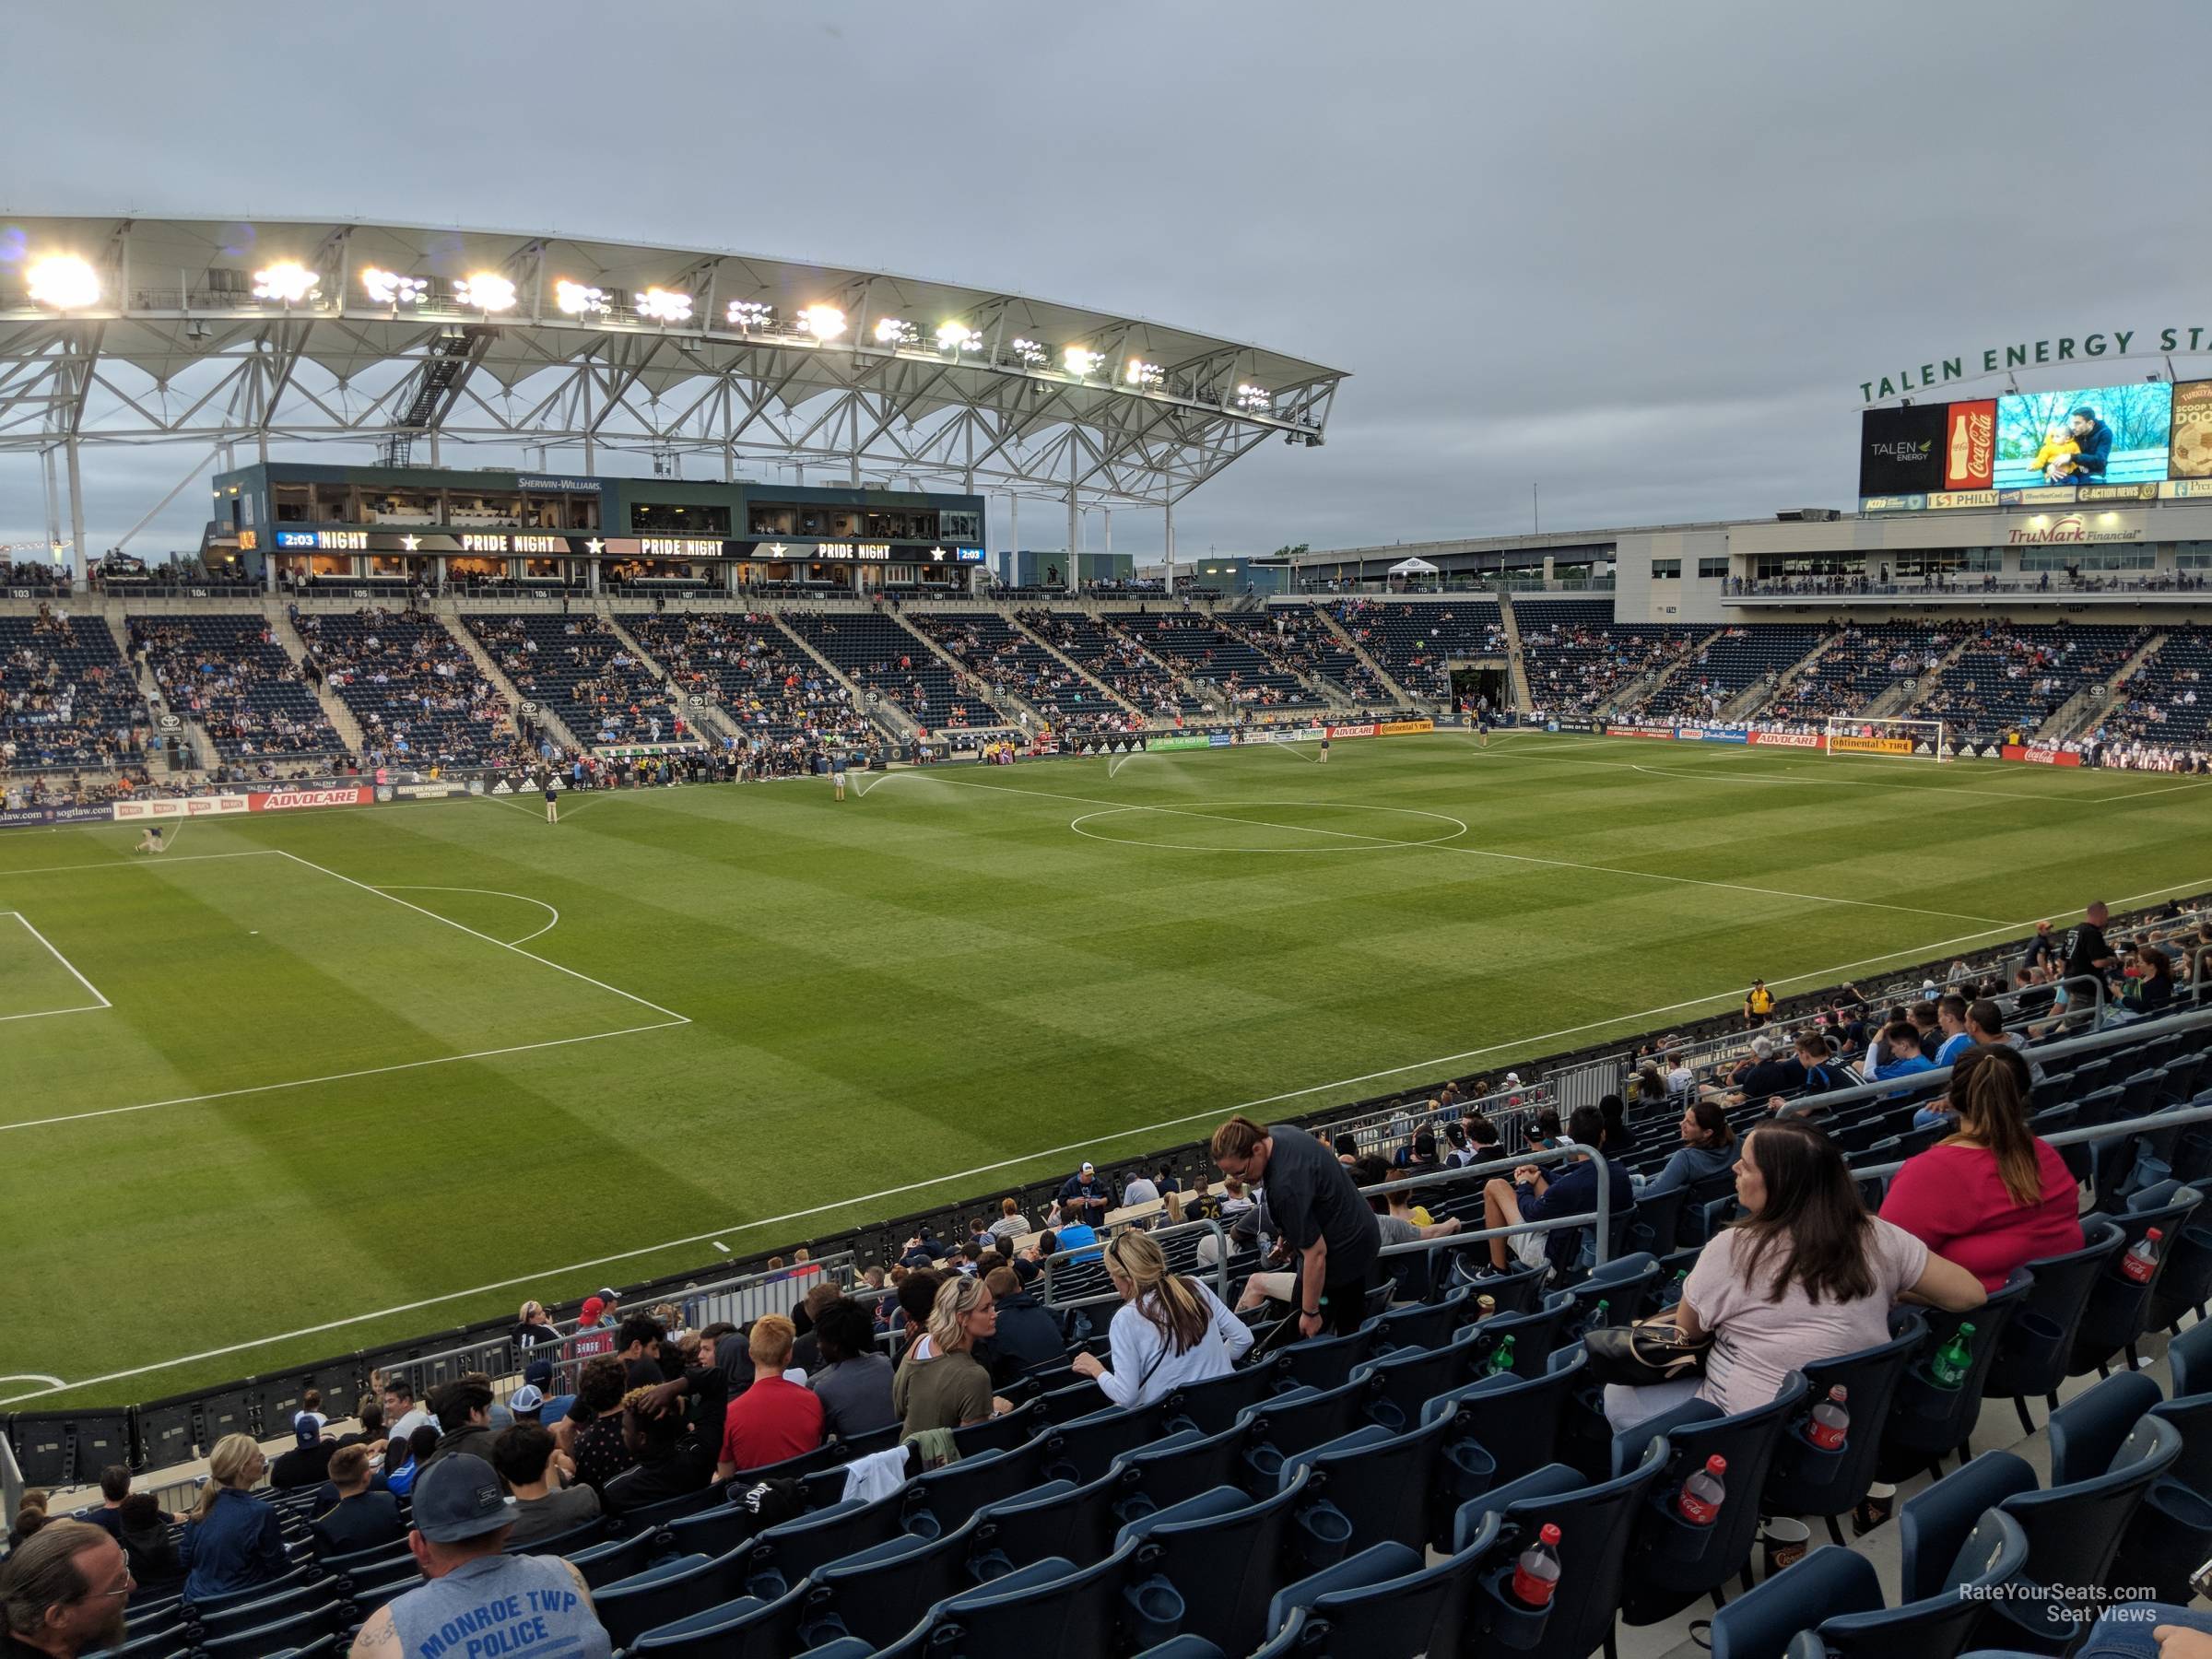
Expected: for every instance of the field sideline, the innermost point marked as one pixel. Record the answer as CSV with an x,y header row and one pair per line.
x,y
310,1083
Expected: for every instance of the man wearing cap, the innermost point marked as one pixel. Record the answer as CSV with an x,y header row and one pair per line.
x,y
525,1402
1759,1005
594,1333
479,1600
1084,1197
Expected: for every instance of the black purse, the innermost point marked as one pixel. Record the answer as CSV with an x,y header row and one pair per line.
x,y
1649,1352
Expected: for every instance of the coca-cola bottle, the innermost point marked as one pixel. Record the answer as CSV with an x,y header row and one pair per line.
x,y
2141,1264
1699,1501
1536,1573
1831,1421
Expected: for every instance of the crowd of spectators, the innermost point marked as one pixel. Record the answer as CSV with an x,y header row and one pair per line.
x,y
775,694
67,699
418,696
578,667
231,676
1577,661
1115,660
1302,640
1002,657
2014,677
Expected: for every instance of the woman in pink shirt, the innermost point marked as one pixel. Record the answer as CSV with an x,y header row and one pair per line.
x,y
1991,1197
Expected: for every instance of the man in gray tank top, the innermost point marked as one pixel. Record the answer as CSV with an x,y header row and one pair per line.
x,y
480,1604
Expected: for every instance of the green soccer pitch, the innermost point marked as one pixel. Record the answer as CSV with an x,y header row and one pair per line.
x,y
307,1084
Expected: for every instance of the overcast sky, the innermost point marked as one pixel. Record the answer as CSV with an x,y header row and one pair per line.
x,y
1639,255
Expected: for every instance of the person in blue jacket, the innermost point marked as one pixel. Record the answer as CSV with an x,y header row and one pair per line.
x,y
233,1540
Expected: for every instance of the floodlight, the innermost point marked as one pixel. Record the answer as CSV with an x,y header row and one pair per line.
x,y
64,282
749,313
825,322
896,330
1253,397
389,287
288,280
1080,360
1141,373
957,337
579,300
485,291
662,305
1029,352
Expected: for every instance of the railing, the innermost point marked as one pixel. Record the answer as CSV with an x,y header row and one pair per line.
x,y
2053,584
1060,1265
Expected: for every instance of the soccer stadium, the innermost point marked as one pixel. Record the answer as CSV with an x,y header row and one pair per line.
x,y
619,1003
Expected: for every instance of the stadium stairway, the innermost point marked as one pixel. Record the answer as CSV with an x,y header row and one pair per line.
x,y
2087,706
1005,702
1634,697
1908,692
546,716
196,736
1516,668
887,714
1754,697
704,716
1208,695
1013,616
334,709
1367,659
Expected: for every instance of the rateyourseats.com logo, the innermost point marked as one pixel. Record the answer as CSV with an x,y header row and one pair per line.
x,y
2069,1604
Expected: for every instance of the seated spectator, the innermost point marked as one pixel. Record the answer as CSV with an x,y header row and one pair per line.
x,y
1169,1330
63,1593
775,1418
940,1383
400,1409
600,1452
307,1463
460,1533
114,1491
525,1404
31,1515
917,1294
1141,1188
1010,1224
360,1518
1901,1055
805,1356
1397,1218
1823,1074
371,1432
1084,1197
2151,989
1545,1133
666,1459
1615,1110
853,1380
1950,1017
1761,1076
463,1408
145,1537
1708,1149
1806,1274
1535,1197
1077,1237
546,1504
535,1326
1991,1197
1029,1336
637,1343
233,1540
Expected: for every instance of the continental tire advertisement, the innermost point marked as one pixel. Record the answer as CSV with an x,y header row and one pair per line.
x,y
1870,746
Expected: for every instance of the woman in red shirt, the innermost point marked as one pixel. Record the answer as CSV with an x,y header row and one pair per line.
x,y
1992,1196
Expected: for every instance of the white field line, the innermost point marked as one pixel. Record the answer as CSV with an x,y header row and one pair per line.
x,y
98,1002
1734,994
1559,864
401,886
672,1016
31,1376
137,864
344,1076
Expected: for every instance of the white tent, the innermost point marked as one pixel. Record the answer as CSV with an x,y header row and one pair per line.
x,y
1413,567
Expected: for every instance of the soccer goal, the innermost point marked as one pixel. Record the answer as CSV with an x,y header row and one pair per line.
x,y
1901,738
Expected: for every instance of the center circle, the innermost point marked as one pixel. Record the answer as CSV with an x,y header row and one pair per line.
x,y
1267,827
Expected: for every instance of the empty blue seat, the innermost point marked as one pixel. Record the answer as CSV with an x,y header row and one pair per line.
x,y
778,1559
1514,1419
296,1630
1425,1324
878,1594
1055,1607
667,1591
1216,1403
1382,1486
2032,1355
1383,1601
1183,1464
1226,1555
1406,1379
743,1627
1928,1420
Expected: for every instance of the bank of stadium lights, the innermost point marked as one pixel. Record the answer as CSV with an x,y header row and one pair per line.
x,y
485,291
1029,352
1141,373
896,332
957,337
389,287
1253,397
664,305
581,300
1080,361
749,314
825,322
287,282
64,281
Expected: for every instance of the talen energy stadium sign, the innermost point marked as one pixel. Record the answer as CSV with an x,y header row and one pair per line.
x,y
2031,354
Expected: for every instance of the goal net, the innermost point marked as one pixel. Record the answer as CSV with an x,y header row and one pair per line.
x,y
1901,739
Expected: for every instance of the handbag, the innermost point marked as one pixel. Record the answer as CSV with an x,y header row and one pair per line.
x,y
1647,1351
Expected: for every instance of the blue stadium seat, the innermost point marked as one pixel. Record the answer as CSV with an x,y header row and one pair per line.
x,y
778,1558
943,1500
1928,1421
1326,1362
743,1628
1806,1480
1216,1403
260,1641
1084,1448
1515,1292
1056,1608
1405,1378
1182,1465
1425,1324
617,1559
1382,1486
2119,1309
1058,1518
1536,1331
1288,1423
1226,1556
1383,1601
235,1615
2038,1342
878,1594
1514,1419
667,1590
2190,1356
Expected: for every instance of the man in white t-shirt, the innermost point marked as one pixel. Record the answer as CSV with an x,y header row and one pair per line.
x,y
401,1416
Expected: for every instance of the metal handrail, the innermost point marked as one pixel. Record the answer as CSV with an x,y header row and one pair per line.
x,y
2173,1117
1602,1219
1180,1231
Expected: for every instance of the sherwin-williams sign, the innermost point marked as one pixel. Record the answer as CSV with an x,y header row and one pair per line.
x,y
2032,354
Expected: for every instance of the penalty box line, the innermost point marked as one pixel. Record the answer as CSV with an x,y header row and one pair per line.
x,y
94,1007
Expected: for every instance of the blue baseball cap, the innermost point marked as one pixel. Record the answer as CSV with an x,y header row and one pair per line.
x,y
458,1497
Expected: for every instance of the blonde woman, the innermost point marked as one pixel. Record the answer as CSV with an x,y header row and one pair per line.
x,y
533,1326
941,1384
1169,1330
233,1540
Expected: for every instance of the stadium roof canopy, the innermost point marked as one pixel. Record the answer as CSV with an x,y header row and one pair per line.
x,y
119,330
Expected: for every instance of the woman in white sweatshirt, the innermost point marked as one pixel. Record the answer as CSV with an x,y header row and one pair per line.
x,y
1169,1330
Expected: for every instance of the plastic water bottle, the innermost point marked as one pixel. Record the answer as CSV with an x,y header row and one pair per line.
x,y
1598,1315
1501,1357
1536,1573
1831,1421
1673,1293
2141,1264
1699,1502
1948,1369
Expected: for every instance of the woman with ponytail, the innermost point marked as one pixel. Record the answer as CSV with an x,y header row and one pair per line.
x,y
232,1541
1991,1197
1169,1330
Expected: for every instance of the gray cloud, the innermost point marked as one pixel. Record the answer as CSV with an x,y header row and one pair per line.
x,y
1642,255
